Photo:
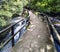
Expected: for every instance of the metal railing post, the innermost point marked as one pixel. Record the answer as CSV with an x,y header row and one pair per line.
x,y
12,33
51,30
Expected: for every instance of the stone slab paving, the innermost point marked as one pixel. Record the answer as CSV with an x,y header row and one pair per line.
x,y
36,39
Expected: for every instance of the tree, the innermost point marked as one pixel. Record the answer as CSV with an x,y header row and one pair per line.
x,y
45,5
10,7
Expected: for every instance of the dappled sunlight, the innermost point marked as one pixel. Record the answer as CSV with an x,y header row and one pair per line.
x,y
42,50
32,26
30,29
39,36
29,25
49,47
35,40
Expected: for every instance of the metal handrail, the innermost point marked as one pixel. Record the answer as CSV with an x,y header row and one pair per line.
x,y
51,27
53,30
9,26
10,38
12,35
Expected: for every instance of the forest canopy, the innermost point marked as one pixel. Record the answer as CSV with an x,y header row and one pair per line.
x,y
45,5
8,8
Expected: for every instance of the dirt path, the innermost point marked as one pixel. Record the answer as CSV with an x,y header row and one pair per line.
x,y
36,39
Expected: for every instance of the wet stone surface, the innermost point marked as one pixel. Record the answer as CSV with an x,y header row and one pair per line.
x,y
36,39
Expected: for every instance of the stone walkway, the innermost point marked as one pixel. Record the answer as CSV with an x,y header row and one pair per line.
x,y
36,39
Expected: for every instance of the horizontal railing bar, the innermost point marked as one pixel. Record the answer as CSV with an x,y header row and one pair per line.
x,y
9,27
5,29
19,30
9,38
6,42
57,34
49,21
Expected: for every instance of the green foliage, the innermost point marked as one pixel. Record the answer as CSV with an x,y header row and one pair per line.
x,y
45,5
25,14
10,7
2,22
25,2
6,14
